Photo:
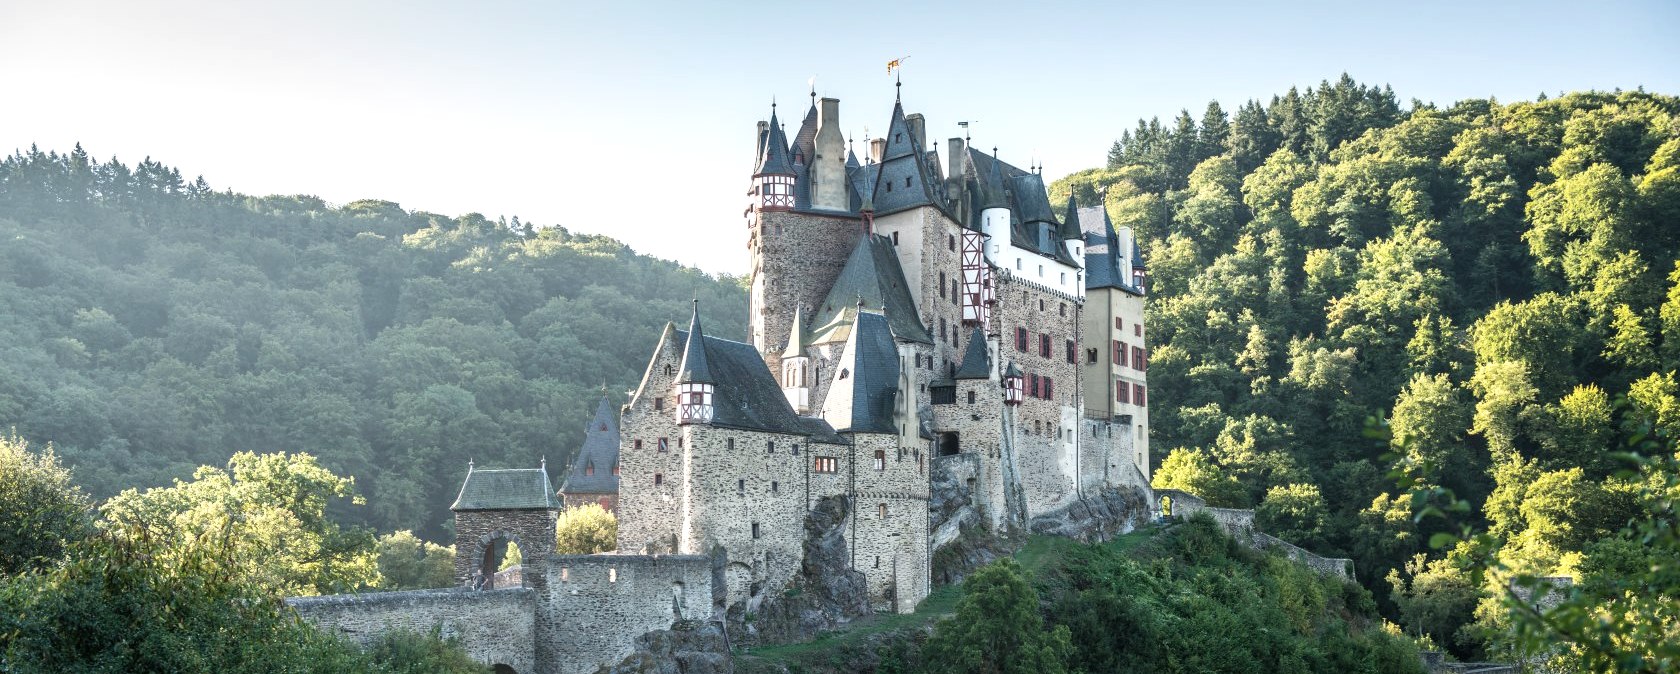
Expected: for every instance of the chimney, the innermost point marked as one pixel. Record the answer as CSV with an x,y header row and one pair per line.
x,y
917,130
828,168
958,159
877,149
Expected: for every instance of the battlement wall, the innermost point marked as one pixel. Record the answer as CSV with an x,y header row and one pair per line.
x,y
1239,523
494,626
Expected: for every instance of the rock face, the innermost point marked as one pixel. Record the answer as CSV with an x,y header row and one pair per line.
x,y
1099,516
825,594
962,541
689,647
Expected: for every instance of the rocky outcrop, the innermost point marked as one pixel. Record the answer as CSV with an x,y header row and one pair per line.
x,y
689,647
1099,516
961,539
824,595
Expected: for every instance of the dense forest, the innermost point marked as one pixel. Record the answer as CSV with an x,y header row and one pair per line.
x,y
150,325
1483,298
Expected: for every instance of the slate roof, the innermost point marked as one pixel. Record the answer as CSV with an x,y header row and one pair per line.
x,y
821,432
696,364
865,386
746,395
509,489
1102,254
805,140
976,362
1033,222
904,159
775,156
600,449
796,336
873,276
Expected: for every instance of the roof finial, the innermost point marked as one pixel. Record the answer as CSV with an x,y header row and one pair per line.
x,y
544,463
898,84
469,465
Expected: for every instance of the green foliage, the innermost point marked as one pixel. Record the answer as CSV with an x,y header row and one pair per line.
x,y
273,508
150,325
585,530
408,563
40,510
997,628
1193,471
1295,513
403,652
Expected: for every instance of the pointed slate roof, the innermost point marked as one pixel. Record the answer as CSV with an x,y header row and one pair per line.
x,y
1070,223
796,336
903,162
805,141
511,489
976,362
696,366
1011,370
851,159
746,395
872,276
865,386
600,450
1102,252
775,158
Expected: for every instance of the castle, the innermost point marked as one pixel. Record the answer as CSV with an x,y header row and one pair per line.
x,y
915,319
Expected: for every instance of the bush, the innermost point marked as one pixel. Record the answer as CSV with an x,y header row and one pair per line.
x,y
585,530
40,510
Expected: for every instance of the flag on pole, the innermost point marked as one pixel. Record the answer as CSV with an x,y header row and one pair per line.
x,y
895,64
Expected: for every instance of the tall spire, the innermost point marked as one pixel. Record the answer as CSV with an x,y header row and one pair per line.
x,y
796,337
775,149
695,367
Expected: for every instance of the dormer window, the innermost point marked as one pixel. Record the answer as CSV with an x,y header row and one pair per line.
x,y
589,469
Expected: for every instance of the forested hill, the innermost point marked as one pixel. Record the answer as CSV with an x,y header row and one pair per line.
x,y
149,325
1488,277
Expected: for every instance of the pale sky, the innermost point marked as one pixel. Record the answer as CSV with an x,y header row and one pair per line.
x,y
636,120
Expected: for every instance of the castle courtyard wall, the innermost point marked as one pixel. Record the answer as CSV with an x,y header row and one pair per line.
x,y
594,606
493,626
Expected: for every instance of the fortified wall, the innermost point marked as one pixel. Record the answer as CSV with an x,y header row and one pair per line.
x,y
496,627
1175,504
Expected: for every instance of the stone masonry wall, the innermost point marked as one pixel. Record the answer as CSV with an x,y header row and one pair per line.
x,y
594,606
650,479
494,626
890,521
795,258
475,531
1044,438
744,491
1240,525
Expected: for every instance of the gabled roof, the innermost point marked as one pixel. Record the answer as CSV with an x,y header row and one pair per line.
x,y
510,489
696,365
1102,252
746,396
865,386
600,450
775,156
872,276
976,362
903,162
805,141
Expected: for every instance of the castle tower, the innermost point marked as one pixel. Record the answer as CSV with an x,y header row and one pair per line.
x,y
772,183
695,386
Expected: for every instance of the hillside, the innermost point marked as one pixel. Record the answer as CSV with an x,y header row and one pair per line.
x,y
1484,295
149,325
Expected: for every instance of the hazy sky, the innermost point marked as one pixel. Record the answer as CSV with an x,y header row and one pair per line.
x,y
636,120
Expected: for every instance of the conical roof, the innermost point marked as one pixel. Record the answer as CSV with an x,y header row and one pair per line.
x,y
862,396
696,367
598,452
1070,224
976,362
776,160
796,336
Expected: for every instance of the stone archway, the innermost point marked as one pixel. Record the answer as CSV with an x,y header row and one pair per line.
x,y
738,579
1166,505
488,555
500,668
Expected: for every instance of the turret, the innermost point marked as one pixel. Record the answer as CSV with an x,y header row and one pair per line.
x,y
1013,385
1072,238
828,167
994,209
773,178
796,366
1140,269
694,383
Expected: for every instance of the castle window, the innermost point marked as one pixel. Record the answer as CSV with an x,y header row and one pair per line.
x,y
971,397
943,395
679,443
755,530
1064,280
1090,355
775,487
889,186
636,444
941,323
1137,357
877,561
664,445
740,486
1122,393
603,428
880,460
1041,300
1032,385
612,575
1137,329
659,403
1049,388
1044,345
1036,428
770,446
730,443
1020,339
1119,353
565,574
1072,352
881,510
1041,275
906,181
1017,264
658,479
589,469
1138,394
895,238
951,242
1062,307
844,373
1119,324
825,464
941,285
796,449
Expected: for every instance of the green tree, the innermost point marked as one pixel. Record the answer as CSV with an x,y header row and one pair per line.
x,y
408,563
41,511
275,509
1295,513
1193,471
997,628
585,530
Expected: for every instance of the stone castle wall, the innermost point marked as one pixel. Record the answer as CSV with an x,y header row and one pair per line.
x,y
494,626
1045,430
1239,524
477,531
744,491
650,479
890,536
594,606
796,257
